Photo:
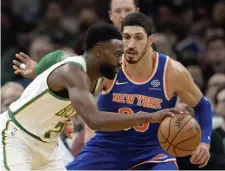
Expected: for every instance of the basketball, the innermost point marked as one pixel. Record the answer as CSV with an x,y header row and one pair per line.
x,y
179,135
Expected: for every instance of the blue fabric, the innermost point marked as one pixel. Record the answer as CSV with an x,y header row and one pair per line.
x,y
203,114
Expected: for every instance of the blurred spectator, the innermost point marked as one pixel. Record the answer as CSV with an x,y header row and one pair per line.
x,y
28,10
165,19
119,10
40,46
220,109
218,14
214,31
197,76
215,54
87,17
53,24
10,92
213,85
163,45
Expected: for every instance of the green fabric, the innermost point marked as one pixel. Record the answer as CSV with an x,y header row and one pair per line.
x,y
48,60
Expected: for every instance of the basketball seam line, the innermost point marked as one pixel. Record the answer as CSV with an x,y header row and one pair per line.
x,y
172,144
178,133
187,139
163,137
169,129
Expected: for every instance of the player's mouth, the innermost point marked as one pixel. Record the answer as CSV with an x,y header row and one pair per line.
x,y
131,54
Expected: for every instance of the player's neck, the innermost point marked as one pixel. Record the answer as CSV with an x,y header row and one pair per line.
x,y
142,69
92,67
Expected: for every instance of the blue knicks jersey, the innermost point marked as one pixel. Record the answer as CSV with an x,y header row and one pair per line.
x,y
127,97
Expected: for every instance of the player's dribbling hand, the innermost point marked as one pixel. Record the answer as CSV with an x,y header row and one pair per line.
x,y
26,68
159,116
69,129
201,155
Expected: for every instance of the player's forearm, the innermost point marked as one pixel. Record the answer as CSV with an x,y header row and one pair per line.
x,y
109,121
203,114
47,61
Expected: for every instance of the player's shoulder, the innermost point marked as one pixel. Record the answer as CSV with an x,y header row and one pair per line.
x,y
78,61
176,70
175,66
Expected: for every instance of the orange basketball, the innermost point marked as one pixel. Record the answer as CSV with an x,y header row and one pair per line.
x,y
179,135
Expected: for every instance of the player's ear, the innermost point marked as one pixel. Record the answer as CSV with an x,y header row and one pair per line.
x,y
150,39
97,51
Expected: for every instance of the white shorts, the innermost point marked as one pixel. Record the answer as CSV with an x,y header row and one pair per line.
x,y
20,151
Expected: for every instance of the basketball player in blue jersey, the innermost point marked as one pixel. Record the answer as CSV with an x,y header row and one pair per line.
x,y
148,81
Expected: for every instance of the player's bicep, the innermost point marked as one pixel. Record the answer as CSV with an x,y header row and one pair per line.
x,y
186,89
78,86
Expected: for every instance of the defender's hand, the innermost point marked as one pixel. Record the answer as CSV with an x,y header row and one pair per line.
x,y
159,116
201,155
26,68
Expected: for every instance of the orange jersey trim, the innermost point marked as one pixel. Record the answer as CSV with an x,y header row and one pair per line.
x,y
155,67
109,85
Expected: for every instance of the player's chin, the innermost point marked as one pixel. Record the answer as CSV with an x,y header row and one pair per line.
x,y
131,60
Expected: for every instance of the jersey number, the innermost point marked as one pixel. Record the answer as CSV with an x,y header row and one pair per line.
x,y
139,128
58,128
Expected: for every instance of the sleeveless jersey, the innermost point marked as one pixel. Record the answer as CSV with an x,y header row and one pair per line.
x,y
127,96
39,111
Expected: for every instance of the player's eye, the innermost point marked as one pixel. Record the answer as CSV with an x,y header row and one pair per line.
x,y
128,10
118,11
126,37
139,38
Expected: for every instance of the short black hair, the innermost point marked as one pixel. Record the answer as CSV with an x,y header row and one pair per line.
x,y
215,38
100,33
136,2
138,19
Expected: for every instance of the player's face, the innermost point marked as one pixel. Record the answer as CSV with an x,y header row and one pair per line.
x,y
119,10
135,42
111,58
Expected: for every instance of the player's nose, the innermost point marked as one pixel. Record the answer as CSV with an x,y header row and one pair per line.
x,y
123,14
131,44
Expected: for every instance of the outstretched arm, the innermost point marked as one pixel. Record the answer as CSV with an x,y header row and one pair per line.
x,y
30,69
77,82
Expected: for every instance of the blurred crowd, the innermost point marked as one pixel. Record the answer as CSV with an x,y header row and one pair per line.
x,y
190,31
